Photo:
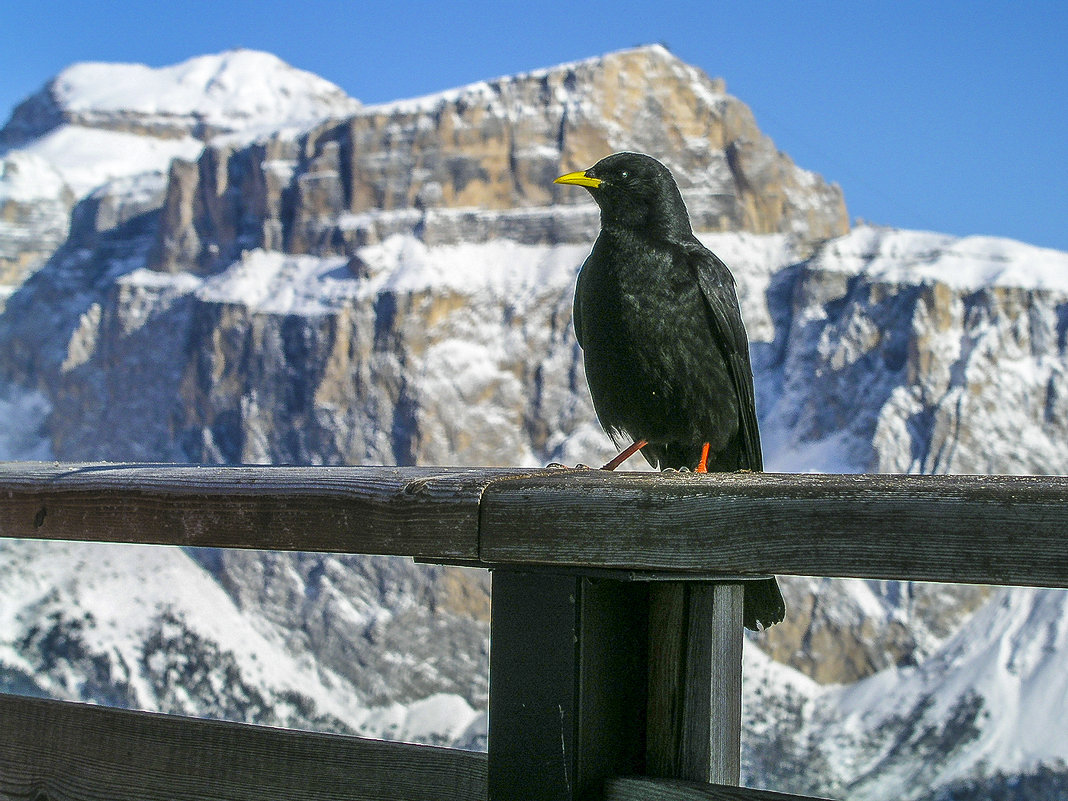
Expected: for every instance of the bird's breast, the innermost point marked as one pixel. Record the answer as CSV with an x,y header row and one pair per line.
x,y
649,354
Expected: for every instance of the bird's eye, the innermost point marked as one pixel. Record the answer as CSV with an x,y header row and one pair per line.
x,y
624,174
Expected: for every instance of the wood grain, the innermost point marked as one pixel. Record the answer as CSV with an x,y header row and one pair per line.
x,y
717,643
642,789
66,752
967,529
695,681
422,512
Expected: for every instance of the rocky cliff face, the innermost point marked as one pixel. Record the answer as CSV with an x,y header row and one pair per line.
x,y
393,285
952,347
421,166
35,207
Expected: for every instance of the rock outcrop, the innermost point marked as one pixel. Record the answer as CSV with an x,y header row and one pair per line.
x,y
424,166
35,208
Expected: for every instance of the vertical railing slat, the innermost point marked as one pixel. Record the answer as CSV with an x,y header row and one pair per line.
x,y
695,678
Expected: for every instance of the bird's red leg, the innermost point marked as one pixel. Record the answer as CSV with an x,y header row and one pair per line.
x,y
702,466
629,451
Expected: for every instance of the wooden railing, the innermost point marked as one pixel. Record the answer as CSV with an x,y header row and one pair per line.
x,y
616,622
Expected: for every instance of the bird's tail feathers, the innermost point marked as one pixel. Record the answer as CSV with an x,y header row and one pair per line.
x,y
764,605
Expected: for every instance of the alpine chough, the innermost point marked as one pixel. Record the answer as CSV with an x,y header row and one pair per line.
x,y
664,346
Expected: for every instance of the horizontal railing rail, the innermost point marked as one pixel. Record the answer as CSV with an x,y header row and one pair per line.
x,y
963,529
613,592
55,751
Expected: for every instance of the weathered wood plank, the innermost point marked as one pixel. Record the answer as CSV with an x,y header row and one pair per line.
x,y
641,789
695,681
981,529
967,529
424,512
668,611
718,645
72,752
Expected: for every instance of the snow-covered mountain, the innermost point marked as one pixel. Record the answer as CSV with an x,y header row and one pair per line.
x,y
229,260
155,628
976,719
95,124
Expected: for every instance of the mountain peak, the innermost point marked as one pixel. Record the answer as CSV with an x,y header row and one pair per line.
x,y
654,52
226,92
646,66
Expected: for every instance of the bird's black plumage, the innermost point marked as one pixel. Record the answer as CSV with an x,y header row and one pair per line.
x,y
664,346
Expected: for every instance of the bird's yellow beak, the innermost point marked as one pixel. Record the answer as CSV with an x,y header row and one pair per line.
x,y
578,179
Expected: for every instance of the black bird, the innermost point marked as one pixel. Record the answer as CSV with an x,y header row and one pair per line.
x,y
665,349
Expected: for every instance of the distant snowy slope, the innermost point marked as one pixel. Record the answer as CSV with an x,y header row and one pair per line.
x,y
899,256
996,695
989,703
23,435
230,92
146,627
94,122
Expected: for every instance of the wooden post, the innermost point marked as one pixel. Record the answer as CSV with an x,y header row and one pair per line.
x,y
592,678
567,685
695,681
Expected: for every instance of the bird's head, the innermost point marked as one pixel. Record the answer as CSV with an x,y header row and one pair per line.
x,y
634,191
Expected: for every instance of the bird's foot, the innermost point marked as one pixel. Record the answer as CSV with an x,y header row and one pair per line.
x,y
558,466
625,454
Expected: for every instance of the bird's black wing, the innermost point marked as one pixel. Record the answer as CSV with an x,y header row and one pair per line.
x,y
763,605
717,286
576,308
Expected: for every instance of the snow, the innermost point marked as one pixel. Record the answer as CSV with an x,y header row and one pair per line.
x,y
1010,655
441,715
26,177
968,263
1000,677
125,591
85,158
279,283
282,283
23,413
117,596
130,118
404,263
785,453
237,88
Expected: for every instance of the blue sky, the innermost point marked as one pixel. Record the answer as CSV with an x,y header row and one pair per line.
x,y
946,116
